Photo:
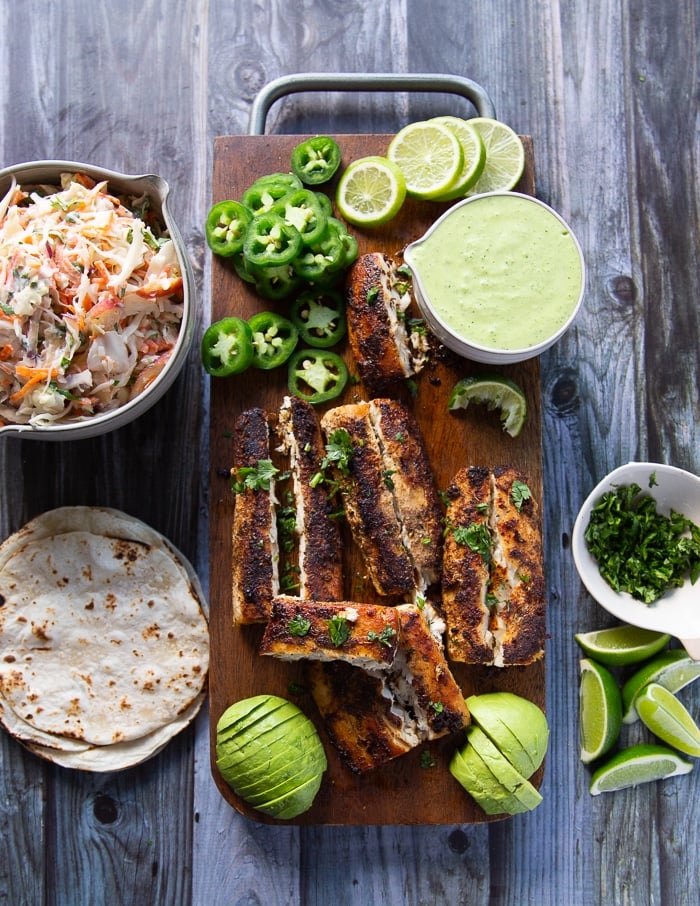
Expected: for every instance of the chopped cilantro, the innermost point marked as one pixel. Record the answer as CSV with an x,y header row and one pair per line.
x,y
384,636
519,493
639,550
427,760
299,626
253,478
475,536
339,630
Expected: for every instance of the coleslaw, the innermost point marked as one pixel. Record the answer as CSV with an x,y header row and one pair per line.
x,y
90,301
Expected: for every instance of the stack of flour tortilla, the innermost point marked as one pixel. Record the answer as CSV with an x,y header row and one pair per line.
x,y
104,640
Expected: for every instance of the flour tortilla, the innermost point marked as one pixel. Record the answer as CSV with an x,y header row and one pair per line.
x,y
103,636
121,755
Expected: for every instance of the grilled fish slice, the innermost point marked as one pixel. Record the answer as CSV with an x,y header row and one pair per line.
x,y
255,569
361,634
369,501
420,675
361,717
465,568
415,496
378,296
517,575
320,551
372,717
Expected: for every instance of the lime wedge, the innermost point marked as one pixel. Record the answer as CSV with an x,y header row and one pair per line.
x,y
667,717
638,764
473,154
622,645
600,710
430,157
673,670
370,191
496,393
505,156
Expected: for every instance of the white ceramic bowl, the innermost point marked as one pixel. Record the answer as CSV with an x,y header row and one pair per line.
x,y
460,342
48,172
678,611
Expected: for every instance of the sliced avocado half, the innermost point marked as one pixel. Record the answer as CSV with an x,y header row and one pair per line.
x,y
502,769
515,725
468,769
295,767
249,759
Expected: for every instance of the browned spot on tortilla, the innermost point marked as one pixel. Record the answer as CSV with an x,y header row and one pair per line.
x,y
124,704
90,605
111,601
40,632
130,550
9,659
151,632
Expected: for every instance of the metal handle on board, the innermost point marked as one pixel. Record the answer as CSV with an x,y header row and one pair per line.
x,y
354,81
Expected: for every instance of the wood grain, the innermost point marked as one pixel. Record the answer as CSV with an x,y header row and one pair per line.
x,y
400,792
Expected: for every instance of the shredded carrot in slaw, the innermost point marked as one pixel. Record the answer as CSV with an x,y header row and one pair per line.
x,y
90,301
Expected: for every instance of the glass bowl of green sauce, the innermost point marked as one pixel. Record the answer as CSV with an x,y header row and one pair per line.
x,y
498,278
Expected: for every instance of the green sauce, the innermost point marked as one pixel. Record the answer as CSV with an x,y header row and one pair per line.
x,y
502,271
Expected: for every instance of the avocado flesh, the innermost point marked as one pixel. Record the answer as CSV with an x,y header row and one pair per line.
x,y
294,802
262,717
502,769
515,725
239,711
254,760
310,763
276,746
266,729
283,787
482,786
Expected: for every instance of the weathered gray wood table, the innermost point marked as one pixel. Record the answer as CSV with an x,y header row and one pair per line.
x,y
608,90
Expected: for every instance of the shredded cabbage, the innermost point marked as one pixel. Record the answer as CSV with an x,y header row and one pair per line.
x,y
90,301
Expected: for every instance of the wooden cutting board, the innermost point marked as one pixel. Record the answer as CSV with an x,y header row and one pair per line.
x,y
402,792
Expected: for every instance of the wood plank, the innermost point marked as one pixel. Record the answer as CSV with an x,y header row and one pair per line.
x,y
400,792
145,117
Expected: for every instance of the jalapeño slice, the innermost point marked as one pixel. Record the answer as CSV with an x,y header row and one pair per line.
x,y
274,339
227,347
226,226
317,375
316,160
319,316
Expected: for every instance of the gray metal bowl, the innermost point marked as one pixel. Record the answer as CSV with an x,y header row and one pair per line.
x,y
48,172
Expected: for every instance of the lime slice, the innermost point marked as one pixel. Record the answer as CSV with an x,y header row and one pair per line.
x,y
505,156
673,670
429,156
370,191
638,764
473,154
496,393
621,645
600,710
668,718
